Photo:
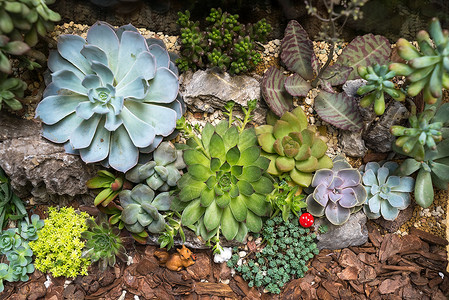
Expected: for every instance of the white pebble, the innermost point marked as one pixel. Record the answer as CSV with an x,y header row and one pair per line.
x,y
242,254
224,256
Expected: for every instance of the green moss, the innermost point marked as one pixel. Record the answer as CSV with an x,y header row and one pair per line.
x,y
58,247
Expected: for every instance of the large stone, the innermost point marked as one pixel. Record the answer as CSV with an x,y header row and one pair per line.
x,y
378,137
40,168
208,90
352,233
352,143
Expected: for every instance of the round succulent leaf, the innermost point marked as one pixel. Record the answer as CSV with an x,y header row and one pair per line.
x,y
199,172
142,193
336,214
251,174
313,207
391,166
253,222
155,182
369,213
264,129
234,191
211,181
241,234
192,157
266,141
191,191
212,216
165,154
238,208
157,226
161,172
231,138
262,162
282,128
247,138
393,181
223,200
192,213
348,198
126,199
374,204
325,162
263,186
229,226
323,176
245,187
304,153
130,213
318,148
233,156
151,210
394,199
307,137
221,127
290,147
369,178
382,175
321,194
284,164
374,166
173,175
134,228
441,170
225,167
206,135
351,177
249,156
360,193
207,197
162,201
301,178
308,165
293,120
256,203
141,172
387,211
272,165
215,164
144,219
278,148
216,147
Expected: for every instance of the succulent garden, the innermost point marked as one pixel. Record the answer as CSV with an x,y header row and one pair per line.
x,y
237,158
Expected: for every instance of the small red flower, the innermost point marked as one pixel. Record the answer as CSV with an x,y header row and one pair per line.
x,y
306,220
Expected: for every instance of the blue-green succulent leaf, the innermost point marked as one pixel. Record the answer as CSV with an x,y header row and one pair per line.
x,y
54,108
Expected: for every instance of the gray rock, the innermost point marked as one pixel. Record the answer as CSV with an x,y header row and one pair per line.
x,y
352,233
41,168
352,143
403,217
208,90
351,86
378,137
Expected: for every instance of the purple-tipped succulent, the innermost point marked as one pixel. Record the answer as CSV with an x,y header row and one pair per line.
x,y
338,192
111,96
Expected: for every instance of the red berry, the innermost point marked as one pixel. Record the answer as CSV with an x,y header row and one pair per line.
x,y
306,220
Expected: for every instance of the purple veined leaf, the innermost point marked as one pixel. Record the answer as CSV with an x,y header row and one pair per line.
x,y
297,50
365,50
297,86
336,74
274,92
338,110
325,86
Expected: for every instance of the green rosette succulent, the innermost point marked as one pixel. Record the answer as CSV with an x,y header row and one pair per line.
x,y
161,173
226,185
293,147
387,194
338,192
427,129
427,68
141,209
103,243
378,82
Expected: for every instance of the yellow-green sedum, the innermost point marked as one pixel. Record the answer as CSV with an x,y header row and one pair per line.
x,y
59,247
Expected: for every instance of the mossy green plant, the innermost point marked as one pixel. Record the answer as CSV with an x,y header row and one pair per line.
x,y
59,246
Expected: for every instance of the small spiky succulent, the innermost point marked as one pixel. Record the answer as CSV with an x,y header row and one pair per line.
x,y
141,209
378,83
338,192
103,243
427,129
293,147
387,194
225,187
427,69
161,173
112,96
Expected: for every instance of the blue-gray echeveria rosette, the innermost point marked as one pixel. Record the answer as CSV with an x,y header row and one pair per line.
x,y
111,96
338,192
387,194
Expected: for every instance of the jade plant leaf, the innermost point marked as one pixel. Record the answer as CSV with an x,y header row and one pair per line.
x,y
365,50
338,110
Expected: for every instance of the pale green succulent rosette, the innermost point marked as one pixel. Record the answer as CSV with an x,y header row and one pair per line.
x,y
293,147
111,96
226,185
387,194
